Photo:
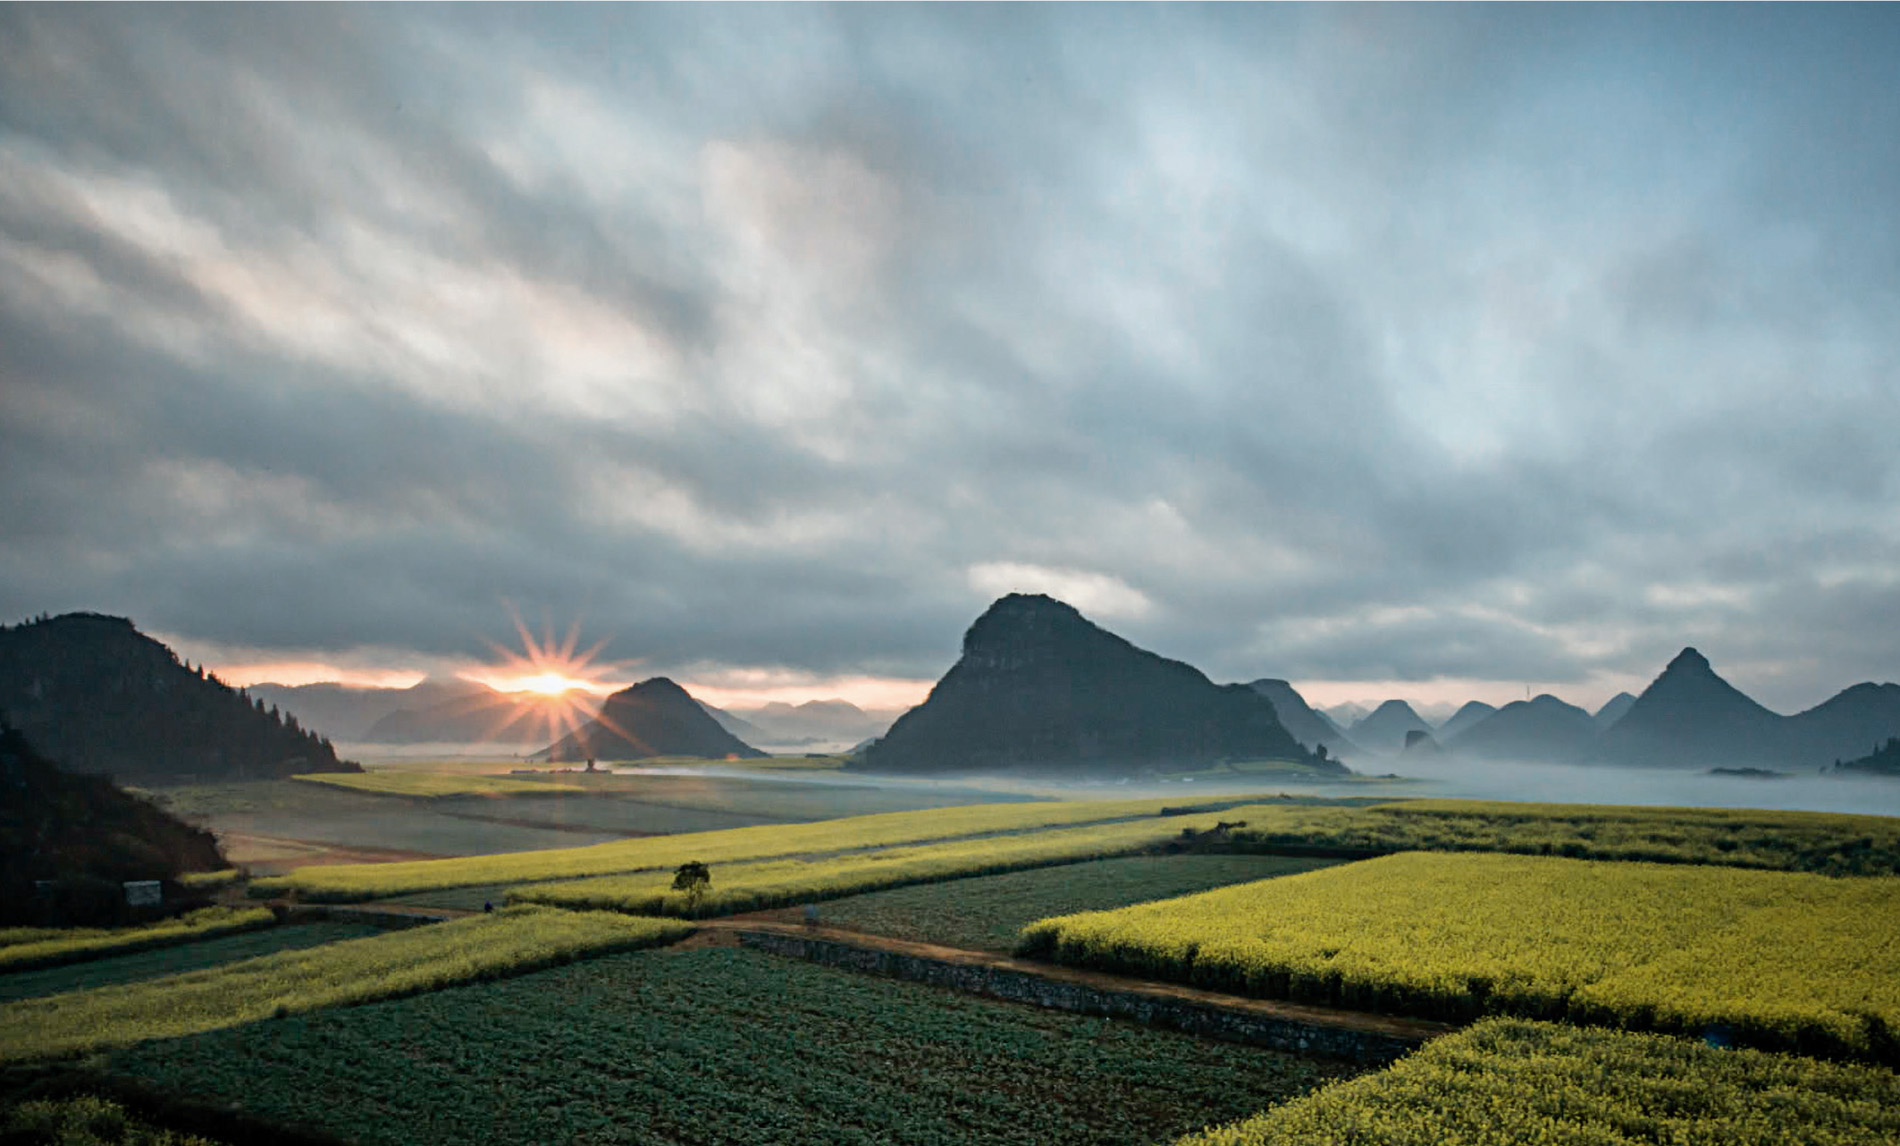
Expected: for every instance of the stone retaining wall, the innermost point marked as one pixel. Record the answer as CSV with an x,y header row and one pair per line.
x,y
1157,1009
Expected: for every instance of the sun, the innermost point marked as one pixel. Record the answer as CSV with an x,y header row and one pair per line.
x,y
547,683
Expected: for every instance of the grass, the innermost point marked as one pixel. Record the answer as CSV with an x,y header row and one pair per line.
x,y
344,883
987,912
722,1046
1508,1082
191,956
291,982
41,947
1781,959
434,785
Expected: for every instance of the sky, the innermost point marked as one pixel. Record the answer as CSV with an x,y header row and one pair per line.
x,y
1440,352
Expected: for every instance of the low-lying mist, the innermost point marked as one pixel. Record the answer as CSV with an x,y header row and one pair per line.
x,y
1602,784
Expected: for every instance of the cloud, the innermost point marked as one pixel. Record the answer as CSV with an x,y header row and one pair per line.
x,y
1336,343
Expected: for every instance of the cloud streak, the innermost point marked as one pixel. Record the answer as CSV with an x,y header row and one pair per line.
x,y
1331,343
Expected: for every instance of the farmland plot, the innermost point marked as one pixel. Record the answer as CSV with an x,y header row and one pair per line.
x,y
721,1046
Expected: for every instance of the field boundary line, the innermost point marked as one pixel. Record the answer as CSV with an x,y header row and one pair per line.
x,y
1293,1027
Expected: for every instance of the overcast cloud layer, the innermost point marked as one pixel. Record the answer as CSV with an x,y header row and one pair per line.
x,y
1368,343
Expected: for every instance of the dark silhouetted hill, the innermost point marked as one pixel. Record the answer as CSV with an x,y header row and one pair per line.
x,y
1883,761
1419,744
1543,729
653,718
1613,710
1039,687
1384,728
1299,718
97,695
1843,726
85,833
1691,718
1472,712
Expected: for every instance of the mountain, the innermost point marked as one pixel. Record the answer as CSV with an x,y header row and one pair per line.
x,y
1384,729
1691,718
1418,743
340,711
1307,726
653,718
97,695
1040,687
87,835
1473,712
468,712
1544,729
1613,710
820,725
737,725
1845,726
1344,716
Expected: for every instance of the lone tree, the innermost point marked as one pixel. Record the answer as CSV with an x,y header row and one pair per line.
x,y
693,878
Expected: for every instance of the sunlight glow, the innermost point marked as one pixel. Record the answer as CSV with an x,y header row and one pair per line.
x,y
549,683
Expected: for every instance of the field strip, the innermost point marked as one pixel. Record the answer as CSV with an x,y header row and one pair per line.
x,y
393,964
781,883
345,883
1233,1018
433,785
80,945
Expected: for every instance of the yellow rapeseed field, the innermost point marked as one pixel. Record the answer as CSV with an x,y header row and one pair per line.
x,y
1511,1082
776,883
1781,959
47,947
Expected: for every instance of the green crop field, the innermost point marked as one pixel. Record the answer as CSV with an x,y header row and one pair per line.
x,y
1783,959
44,947
721,1046
987,912
345,883
289,982
781,882
1508,1082
193,956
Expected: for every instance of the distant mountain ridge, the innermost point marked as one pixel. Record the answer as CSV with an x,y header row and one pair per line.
x,y
655,717
1384,728
1543,728
94,694
1038,686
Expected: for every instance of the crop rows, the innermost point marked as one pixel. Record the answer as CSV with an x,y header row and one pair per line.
x,y
345,883
1509,1082
51,947
721,1046
778,883
986,913
1781,959
1826,842
434,785
350,971
173,960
